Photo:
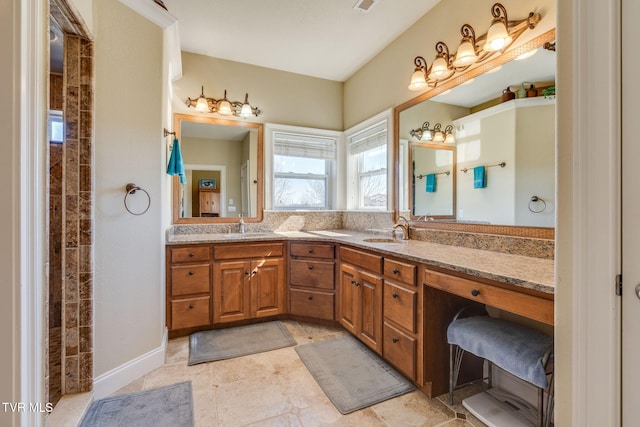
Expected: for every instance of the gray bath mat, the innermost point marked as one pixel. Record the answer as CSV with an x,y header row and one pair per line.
x,y
352,376
222,344
168,406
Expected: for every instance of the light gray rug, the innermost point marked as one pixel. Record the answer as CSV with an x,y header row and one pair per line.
x,y
352,376
238,341
169,406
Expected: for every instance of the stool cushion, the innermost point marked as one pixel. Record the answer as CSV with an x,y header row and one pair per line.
x,y
515,348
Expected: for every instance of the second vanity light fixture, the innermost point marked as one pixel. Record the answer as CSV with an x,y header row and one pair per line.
x,y
436,134
471,50
223,106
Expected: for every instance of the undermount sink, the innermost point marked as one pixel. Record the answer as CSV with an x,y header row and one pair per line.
x,y
381,240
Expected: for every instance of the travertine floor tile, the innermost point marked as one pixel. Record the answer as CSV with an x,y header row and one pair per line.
x,y
276,389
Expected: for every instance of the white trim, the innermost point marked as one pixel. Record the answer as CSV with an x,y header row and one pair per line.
x,y
269,130
32,208
595,344
153,12
115,379
505,106
351,181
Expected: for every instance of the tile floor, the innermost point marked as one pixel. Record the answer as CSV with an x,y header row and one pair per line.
x,y
275,389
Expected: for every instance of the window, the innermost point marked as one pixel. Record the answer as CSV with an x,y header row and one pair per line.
x,y
302,170
56,127
368,158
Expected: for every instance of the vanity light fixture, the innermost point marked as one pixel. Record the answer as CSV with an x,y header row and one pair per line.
x,y
466,54
501,34
223,106
498,37
436,134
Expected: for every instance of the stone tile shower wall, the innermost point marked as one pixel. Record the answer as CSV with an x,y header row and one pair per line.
x,y
53,376
77,336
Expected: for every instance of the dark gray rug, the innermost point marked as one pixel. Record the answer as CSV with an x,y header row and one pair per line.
x,y
222,344
352,376
169,406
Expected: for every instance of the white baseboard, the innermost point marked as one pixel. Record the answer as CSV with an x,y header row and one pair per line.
x,y
115,379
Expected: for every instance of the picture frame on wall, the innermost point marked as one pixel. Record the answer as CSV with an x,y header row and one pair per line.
x,y
207,183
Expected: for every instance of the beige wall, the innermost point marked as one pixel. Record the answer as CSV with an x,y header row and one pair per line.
x,y
84,8
382,83
10,328
284,98
536,165
129,279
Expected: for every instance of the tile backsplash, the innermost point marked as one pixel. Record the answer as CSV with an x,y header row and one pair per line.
x,y
378,221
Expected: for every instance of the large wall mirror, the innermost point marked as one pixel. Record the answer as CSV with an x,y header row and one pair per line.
x,y
223,166
514,140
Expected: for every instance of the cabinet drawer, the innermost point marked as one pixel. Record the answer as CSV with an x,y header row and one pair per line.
x,y
187,313
531,306
400,305
190,279
311,304
365,260
399,349
400,271
316,274
313,250
244,251
189,254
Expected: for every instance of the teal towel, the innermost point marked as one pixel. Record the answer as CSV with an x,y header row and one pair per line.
x,y
176,165
431,183
479,177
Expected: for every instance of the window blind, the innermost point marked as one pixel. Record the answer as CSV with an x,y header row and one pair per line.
x,y
295,145
368,139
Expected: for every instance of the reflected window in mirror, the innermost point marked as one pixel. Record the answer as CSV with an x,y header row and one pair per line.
x,y
368,164
303,171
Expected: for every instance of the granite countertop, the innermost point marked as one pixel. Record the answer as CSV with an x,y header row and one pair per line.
x,y
517,270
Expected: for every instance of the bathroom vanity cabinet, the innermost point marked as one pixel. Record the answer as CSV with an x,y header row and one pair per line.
x,y
189,282
401,309
361,296
248,281
312,269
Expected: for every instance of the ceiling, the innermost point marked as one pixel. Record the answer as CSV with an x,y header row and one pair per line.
x,y
541,67
329,39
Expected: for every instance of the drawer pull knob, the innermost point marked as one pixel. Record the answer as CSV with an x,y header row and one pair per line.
x,y
191,254
310,297
191,273
394,295
395,340
310,251
246,273
357,283
191,306
310,267
475,292
353,282
396,271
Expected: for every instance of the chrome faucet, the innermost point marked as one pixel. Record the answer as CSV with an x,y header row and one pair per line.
x,y
242,227
405,227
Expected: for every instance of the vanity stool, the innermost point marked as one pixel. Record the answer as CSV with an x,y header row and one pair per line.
x,y
519,350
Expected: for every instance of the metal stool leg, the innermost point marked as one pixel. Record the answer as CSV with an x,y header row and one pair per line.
x,y
454,368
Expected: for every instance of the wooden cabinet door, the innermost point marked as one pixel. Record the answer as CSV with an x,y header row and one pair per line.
x,y
231,292
349,299
370,309
267,287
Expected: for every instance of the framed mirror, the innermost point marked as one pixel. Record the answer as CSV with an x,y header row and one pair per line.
x,y
488,133
223,161
433,181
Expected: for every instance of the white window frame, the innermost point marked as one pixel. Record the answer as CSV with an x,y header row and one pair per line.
x,y
331,173
354,196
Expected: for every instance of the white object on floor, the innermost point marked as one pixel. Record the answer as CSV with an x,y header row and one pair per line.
x,y
501,411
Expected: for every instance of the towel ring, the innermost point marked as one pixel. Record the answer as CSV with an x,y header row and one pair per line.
x,y
536,199
131,189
